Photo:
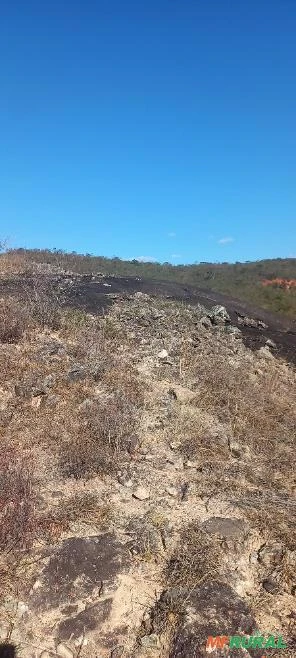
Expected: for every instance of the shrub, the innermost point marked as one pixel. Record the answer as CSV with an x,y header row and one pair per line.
x,y
14,320
17,501
99,438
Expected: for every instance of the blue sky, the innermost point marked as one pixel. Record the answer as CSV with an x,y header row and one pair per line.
x,y
161,129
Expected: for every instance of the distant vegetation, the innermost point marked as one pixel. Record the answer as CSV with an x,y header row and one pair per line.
x,y
244,281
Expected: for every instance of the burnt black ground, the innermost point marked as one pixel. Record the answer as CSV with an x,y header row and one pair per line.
x,y
95,294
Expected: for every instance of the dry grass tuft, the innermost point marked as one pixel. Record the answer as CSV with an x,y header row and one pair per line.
x,y
17,500
98,440
14,320
85,507
196,558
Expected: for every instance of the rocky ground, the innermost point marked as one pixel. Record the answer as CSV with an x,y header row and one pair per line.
x,y
147,484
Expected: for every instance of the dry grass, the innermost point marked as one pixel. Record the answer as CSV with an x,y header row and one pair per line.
x,y
85,507
15,320
100,439
17,500
196,558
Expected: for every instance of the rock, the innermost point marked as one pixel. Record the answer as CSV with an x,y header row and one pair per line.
x,y
247,322
142,296
53,400
125,481
74,567
234,331
271,554
270,343
250,322
191,464
22,609
163,355
228,528
271,586
118,652
49,381
182,394
205,322
238,450
175,445
77,372
141,493
219,315
264,353
150,641
172,491
63,651
75,626
209,608
45,654
177,462
36,401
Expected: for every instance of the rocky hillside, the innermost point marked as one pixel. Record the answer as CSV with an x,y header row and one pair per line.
x,y
147,488
263,282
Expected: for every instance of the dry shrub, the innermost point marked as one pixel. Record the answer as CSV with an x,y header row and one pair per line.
x,y
85,507
13,263
259,414
43,304
17,500
14,320
196,558
98,440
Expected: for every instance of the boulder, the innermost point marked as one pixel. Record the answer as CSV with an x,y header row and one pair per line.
x,y
219,315
212,608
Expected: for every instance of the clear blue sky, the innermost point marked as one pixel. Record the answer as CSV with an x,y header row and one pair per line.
x,y
163,129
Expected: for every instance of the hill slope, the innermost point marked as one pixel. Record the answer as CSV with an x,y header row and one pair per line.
x,y
147,480
240,280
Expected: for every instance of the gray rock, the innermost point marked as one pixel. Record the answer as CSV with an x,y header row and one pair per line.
x,y
53,400
219,315
205,322
150,641
77,372
270,343
271,586
75,626
271,554
264,353
49,381
125,480
209,608
75,567
234,331
247,322
228,528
